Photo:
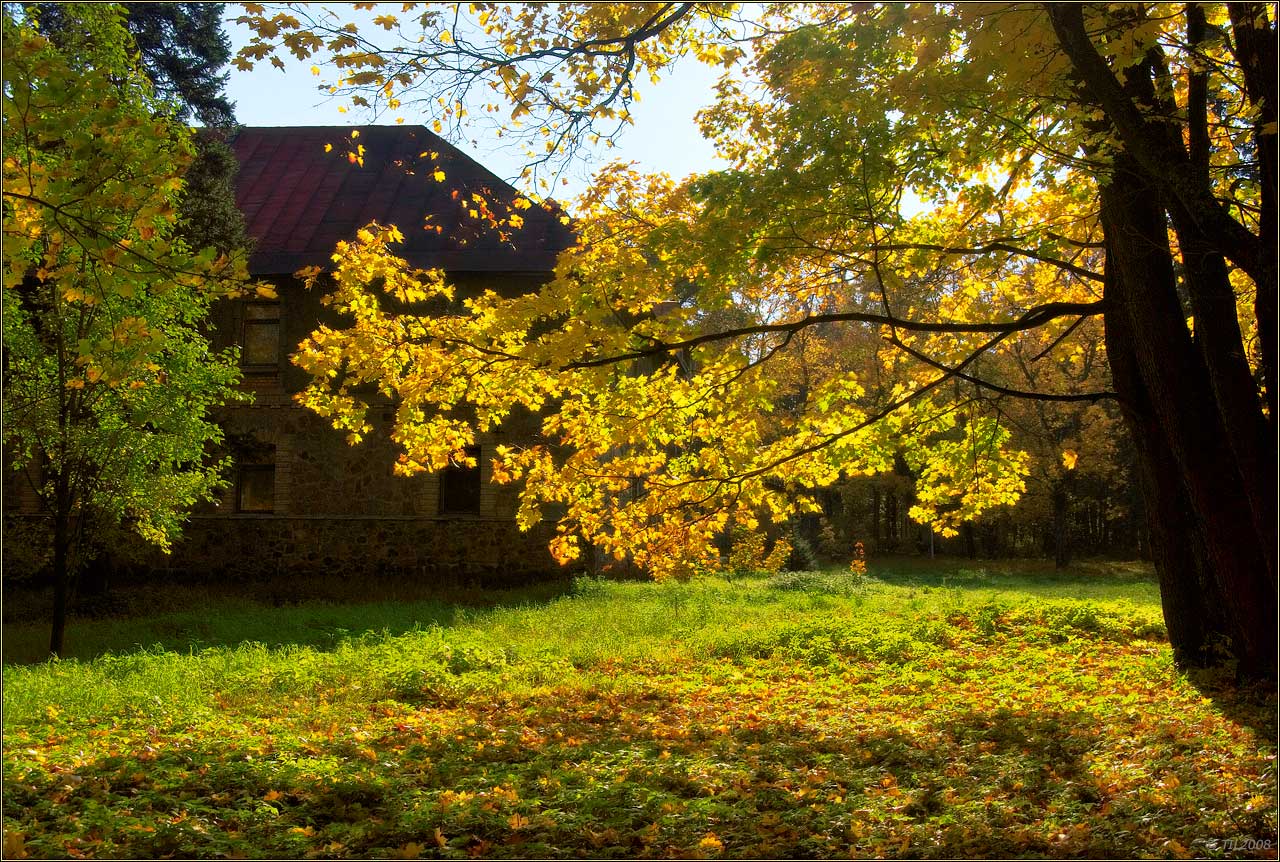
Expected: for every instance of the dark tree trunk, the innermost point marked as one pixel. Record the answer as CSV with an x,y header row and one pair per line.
x,y
992,545
875,518
1188,594
61,580
1206,280
1256,51
1061,527
96,578
1234,394
1208,477
1168,401
970,543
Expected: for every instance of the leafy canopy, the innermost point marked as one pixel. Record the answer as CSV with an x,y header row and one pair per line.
x,y
108,378
674,357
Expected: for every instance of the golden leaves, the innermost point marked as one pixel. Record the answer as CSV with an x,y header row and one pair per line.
x,y
15,844
711,844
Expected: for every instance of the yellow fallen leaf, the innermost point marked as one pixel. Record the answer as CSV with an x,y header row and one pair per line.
x,y
15,845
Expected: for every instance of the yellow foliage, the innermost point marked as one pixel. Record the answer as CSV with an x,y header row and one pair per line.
x,y
658,429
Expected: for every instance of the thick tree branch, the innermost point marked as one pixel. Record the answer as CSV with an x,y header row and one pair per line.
x,y
994,387
1166,163
1032,319
995,246
875,417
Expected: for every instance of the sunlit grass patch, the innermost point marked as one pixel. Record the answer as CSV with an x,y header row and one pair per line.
x,y
792,716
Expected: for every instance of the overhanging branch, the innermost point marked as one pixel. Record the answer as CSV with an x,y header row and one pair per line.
x,y
1033,318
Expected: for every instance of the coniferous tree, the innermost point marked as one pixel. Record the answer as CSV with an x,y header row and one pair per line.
x,y
183,50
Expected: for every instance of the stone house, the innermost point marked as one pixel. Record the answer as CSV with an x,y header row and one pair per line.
x,y
302,499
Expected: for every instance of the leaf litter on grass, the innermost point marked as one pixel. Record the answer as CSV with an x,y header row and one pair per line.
x,y
970,727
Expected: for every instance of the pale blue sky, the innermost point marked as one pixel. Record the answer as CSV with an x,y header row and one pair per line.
x,y
664,137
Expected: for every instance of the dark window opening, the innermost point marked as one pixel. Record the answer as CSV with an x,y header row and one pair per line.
x,y
460,487
260,336
256,488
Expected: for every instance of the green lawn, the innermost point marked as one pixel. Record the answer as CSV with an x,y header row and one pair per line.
x,y
935,709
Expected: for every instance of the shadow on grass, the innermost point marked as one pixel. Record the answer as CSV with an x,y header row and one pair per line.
x,y
1252,705
320,614
639,775
964,573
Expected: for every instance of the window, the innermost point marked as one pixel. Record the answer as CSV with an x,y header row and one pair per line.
x,y
260,336
256,477
460,487
256,488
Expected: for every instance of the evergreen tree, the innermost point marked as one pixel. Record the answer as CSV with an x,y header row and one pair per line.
x,y
182,49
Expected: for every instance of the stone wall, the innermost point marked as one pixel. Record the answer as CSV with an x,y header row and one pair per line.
x,y
336,508
256,547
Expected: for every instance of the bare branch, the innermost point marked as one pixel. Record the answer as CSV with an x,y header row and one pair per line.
x,y
1033,318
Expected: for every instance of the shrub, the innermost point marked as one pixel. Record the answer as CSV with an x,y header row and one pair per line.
x,y
748,554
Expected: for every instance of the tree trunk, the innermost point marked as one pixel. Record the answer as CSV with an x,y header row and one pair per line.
x,y
1256,51
1061,531
875,518
1182,399
1188,594
1165,388
61,580
1217,334
95,578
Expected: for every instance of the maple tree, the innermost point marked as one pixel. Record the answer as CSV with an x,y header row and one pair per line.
x,y
1075,162
108,377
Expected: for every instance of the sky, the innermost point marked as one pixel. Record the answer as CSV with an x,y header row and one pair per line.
x,y
664,138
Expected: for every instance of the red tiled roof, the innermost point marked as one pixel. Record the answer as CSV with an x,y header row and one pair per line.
x,y
299,200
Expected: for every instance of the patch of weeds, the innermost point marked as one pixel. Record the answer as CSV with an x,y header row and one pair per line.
x,y
835,583
824,642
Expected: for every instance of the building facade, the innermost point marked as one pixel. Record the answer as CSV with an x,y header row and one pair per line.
x,y
302,500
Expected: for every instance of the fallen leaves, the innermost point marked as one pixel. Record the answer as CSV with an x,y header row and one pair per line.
x,y
836,734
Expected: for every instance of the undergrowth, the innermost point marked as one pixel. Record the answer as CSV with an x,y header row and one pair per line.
x,y
799,715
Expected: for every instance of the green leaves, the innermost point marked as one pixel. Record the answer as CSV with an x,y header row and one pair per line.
x,y
108,381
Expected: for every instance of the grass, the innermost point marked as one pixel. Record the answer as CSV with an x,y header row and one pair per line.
x,y
931,710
